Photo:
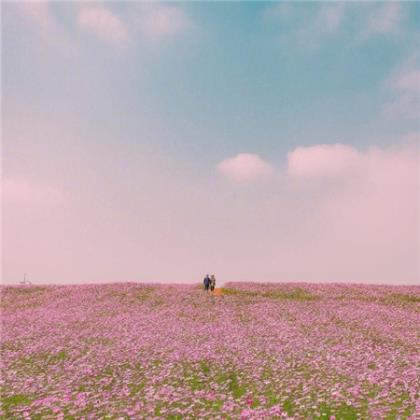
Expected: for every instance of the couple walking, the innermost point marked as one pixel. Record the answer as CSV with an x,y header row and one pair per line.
x,y
209,282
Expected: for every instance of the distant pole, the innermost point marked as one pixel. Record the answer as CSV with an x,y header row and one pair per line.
x,y
24,281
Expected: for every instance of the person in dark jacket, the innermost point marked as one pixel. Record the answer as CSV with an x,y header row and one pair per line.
x,y
206,283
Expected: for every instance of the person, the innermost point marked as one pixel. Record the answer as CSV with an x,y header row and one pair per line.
x,y
212,282
206,283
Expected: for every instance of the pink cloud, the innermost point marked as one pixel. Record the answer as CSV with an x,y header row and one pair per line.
x,y
293,228
307,227
384,19
364,228
283,10
405,106
245,167
368,231
323,160
38,12
103,23
161,20
330,17
408,81
40,20
411,138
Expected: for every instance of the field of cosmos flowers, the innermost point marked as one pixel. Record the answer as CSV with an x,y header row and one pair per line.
x,y
173,351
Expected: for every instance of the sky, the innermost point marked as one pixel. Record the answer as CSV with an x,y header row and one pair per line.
x,y
158,142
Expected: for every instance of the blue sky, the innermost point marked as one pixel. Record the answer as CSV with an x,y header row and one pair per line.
x,y
124,111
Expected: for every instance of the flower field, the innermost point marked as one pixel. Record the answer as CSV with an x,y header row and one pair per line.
x,y
258,351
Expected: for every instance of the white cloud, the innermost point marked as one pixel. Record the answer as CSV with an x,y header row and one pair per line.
x,y
103,23
245,167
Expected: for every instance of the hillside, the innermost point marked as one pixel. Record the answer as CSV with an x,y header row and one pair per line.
x,y
257,351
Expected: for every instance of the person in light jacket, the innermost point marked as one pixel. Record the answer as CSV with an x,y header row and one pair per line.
x,y
212,282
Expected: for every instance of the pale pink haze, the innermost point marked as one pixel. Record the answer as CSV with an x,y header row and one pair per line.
x,y
330,213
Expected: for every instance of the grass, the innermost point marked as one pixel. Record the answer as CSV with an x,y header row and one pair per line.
x,y
295,294
140,295
12,401
24,290
39,362
402,298
342,412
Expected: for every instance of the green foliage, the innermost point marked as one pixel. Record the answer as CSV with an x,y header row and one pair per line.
x,y
346,412
205,367
288,406
39,363
341,412
60,356
12,401
230,378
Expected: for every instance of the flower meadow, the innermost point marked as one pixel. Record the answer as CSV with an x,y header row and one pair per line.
x,y
129,350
